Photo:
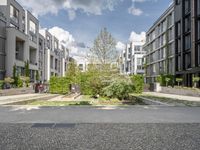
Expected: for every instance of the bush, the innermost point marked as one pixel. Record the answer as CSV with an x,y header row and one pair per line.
x,y
19,82
138,83
85,84
118,89
1,84
59,85
179,80
166,80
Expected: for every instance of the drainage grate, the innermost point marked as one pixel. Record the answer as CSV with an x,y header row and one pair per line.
x,y
53,125
43,125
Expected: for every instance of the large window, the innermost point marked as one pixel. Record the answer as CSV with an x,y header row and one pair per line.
x,y
198,29
187,6
178,29
2,62
187,24
198,7
32,26
14,14
199,54
188,60
187,42
178,2
2,45
179,63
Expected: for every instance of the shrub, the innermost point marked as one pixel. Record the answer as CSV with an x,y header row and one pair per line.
x,y
8,80
195,81
179,80
25,80
19,82
138,83
85,80
118,89
59,85
1,84
166,80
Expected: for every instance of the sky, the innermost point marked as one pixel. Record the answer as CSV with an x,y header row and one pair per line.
x,y
78,22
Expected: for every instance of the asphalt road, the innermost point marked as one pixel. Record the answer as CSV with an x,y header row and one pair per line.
x,y
100,128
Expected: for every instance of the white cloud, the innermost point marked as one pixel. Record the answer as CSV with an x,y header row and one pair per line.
x,y
120,46
42,7
135,11
66,38
135,37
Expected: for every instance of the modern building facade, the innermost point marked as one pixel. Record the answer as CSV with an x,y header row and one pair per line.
x,y
160,57
20,41
187,40
132,58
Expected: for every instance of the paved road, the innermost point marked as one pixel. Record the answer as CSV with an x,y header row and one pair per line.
x,y
100,128
134,114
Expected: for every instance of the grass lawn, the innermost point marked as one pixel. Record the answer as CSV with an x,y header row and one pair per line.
x,y
85,100
175,102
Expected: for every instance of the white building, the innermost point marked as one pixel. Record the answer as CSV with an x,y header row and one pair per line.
x,y
132,58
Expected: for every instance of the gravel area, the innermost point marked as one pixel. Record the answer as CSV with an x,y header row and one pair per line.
x,y
100,137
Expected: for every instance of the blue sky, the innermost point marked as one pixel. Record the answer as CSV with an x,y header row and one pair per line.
x,y
83,19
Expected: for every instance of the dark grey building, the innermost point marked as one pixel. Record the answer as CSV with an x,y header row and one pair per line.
x,y
160,47
2,43
187,40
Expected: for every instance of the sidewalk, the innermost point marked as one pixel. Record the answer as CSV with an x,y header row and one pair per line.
x,y
178,97
18,98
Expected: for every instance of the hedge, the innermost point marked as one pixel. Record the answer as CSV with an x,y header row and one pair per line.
x,y
138,83
59,85
163,78
1,84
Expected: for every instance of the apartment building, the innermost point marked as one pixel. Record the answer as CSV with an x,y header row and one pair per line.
x,y
132,58
160,57
187,40
20,41
56,56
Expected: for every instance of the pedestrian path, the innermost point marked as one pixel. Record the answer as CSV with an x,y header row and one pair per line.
x,y
18,98
173,96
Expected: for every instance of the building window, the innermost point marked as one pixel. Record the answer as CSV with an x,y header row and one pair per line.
x,y
198,7
178,2
179,63
187,42
14,14
199,54
32,26
199,29
188,60
187,24
178,45
178,29
187,6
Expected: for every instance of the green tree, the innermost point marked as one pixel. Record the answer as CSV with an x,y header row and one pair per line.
x,y
14,75
27,70
104,48
138,83
195,81
179,80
